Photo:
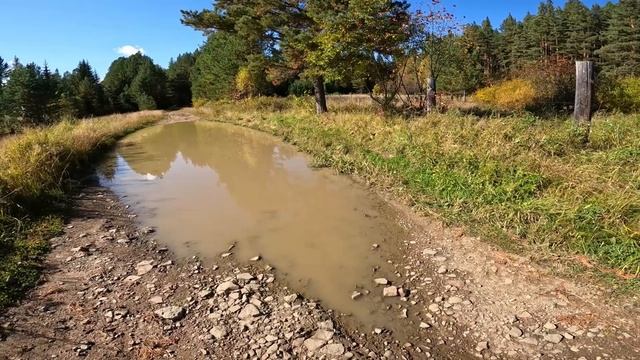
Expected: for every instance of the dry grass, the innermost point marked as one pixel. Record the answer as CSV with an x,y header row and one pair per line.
x,y
34,169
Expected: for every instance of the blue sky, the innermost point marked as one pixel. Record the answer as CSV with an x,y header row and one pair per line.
x,y
62,32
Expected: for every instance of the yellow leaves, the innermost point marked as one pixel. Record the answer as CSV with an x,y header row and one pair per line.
x,y
517,94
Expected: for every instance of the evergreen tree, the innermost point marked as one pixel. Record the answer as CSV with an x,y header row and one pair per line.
x,y
216,66
579,31
135,83
509,50
4,74
179,80
621,53
488,51
31,94
82,94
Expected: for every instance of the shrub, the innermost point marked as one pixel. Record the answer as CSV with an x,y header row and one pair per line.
x,y
517,94
622,95
537,87
301,87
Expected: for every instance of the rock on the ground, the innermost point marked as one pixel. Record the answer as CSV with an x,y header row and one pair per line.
x,y
390,291
332,349
218,332
248,312
173,313
553,338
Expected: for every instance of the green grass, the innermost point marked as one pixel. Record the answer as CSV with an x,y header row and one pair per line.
x,y
34,169
526,183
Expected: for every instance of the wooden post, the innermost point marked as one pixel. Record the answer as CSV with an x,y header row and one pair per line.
x,y
584,93
431,94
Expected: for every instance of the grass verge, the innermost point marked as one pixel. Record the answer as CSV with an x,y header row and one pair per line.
x,y
34,169
528,184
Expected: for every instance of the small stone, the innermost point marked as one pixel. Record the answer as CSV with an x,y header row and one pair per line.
x,y
226,287
131,278
553,338
327,325
429,252
205,294
515,332
290,298
550,326
390,291
323,334
255,258
378,331
442,269
156,300
244,277
381,281
313,344
434,308
482,346
333,349
454,300
270,338
248,312
356,295
424,325
225,255
173,313
218,332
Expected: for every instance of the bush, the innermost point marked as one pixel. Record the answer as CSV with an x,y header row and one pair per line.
x,y
622,95
515,95
538,87
301,87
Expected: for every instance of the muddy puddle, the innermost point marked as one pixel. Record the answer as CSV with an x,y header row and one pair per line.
x,y
205,186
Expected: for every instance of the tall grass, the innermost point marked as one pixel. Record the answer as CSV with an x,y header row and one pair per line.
x,y
34,169
528,184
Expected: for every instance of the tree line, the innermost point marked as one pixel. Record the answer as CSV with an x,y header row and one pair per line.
x,y
32,95
383,48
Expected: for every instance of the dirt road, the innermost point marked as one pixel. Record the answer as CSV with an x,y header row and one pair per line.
x,y
110,291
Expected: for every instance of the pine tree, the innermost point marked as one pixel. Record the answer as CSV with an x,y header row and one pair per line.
x,y
135,83
82,94
579,31
179,80
216,66
487,49
509,51
4,74
621,53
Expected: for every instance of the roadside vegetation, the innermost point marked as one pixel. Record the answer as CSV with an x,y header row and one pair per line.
x,y
520,181
35,167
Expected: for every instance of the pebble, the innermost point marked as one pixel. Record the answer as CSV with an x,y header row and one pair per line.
x,y
356,295
553,338
515,332
390,291
218,332
442,269
335,349
248,312
156,300
482,345
550,326
173,313
381,281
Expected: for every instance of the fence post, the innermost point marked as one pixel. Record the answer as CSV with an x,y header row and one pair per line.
x,y
584,93
431,94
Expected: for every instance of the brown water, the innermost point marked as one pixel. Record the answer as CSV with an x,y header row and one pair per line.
x,y
205,186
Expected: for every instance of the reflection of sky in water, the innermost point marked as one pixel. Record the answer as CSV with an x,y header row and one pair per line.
x,y
210,185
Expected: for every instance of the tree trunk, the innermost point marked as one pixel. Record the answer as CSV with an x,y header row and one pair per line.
x,y
431,94
320,95
584,96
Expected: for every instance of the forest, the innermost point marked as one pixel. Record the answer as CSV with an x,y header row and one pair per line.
x,y
519,65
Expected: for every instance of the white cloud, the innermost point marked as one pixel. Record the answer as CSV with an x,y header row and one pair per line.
x,y
128,50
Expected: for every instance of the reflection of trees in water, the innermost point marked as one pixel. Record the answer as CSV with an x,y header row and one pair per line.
x,y
246,162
